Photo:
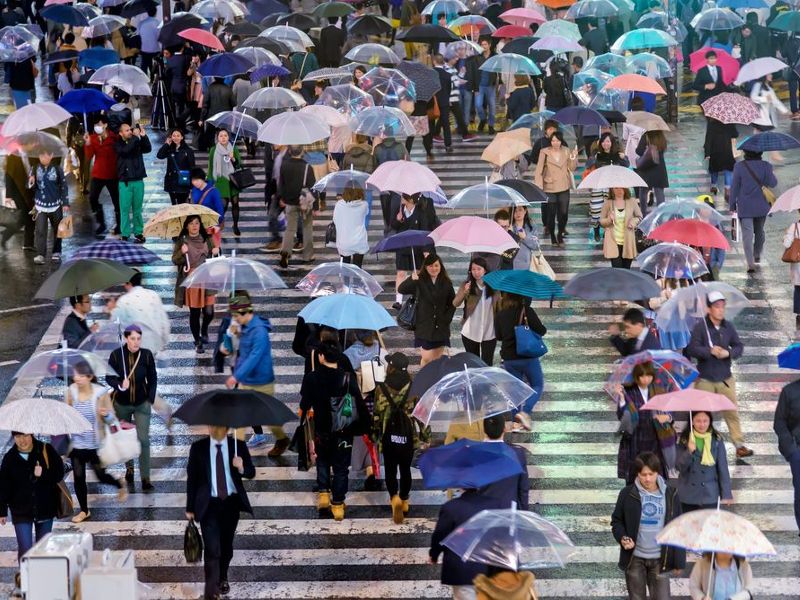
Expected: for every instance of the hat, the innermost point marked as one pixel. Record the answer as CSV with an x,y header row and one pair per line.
x,y
398,360
240,304
133,327
715,296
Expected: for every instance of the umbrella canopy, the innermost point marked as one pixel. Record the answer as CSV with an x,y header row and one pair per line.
x,y
473,234
231,273
449,8
382,121
522,47
524,283
367,25
690,399
233,408
60,363
346,98
268,70
120,251
85,101
297,20
336,182
168,34
373,54
717,530
84,276
672,260
388,87
510,63
506,146
102,25
168,222
260,9
580,115
649,65
717,19
642,39
411,238
428,34
434,371
523,16
347,311
326,114
110,337
65,56
679,209
65,14
426,80
34,117
610,283
225,10
40,416
758,68
237,123
273,46
32,144
471,395
485,196
94,58
273,98
243,29
788,201
295,39
333,9
511,539
611,176
790,357
645,120
339,278
125,77
290,128
404,177
729,65
511,31
633,82
468,464
202,37
610,63
225,65
788,21
673,371
690,232
560,28
598,9
687,305
529,191
18,43
769,141
472,26
557,44
335,76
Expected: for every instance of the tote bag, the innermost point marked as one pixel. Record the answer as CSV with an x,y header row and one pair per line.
x,y
120,444
529,343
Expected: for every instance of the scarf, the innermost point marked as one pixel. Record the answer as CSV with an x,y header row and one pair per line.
x,y
703,442
222,167
198,250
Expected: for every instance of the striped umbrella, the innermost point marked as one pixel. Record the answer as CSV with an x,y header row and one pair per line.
x,y
524,283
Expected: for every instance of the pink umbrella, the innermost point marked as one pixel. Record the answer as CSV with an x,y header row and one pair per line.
x,y
688,400
404,177
523,16
51,2
728,64
788,201
202,37
473,234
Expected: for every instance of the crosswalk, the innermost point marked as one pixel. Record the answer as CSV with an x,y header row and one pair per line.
x,y
286,551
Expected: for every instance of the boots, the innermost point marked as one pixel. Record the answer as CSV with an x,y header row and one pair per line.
x,y
397,509
324,501
597,233
338,511
235,213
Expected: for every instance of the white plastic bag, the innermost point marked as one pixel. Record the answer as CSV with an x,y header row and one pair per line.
x,y
120,446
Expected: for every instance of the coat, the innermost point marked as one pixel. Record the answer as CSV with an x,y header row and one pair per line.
x,y
792,232
435,308
554,170
105,157
655,176
718,145
198,476
507,585
520,102
701,484
633,215
504,323
786,423
178,159
699,579
254,362
627,346
360,158
747,200
555,89
179,260
329,50
27,497
316,391
515,488
75,330
223,184
702,78
295,175
143,380
218,97
130,160
643,439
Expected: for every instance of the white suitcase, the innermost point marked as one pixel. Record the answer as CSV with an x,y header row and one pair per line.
x,y
51,569
110,574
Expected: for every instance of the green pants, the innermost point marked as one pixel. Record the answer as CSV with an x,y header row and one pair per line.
x,y
131,198
140,416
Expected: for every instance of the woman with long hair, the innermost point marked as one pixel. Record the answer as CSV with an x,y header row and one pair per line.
x,y
703,465
180,162
620,216
652,167
223,159
524,232
477,329
606,151
554,176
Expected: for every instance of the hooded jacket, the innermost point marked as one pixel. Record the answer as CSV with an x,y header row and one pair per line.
x,y
254,364
360,158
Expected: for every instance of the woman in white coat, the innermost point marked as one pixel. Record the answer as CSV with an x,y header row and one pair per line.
x,y
768,102
792,233
350,216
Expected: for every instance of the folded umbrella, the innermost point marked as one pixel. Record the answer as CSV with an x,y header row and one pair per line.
x,y
290,128
468,464
346,98
239,124
673,371
580,115
347,311
609,283
373,54
84,276
411,238
428,34
711,530
202,37
529,191
689,400
758,68
96,57
233,408
729,65
34,117
487,196
672,260
635,83
339,278
168,222
769,141
41,416
524,283
611,176
523,16
382,121
120,251
228,274
224,65
473,234
690,232
436,370
426,80
645,120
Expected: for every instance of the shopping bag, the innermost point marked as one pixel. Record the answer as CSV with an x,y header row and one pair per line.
x,y
65,228
120,444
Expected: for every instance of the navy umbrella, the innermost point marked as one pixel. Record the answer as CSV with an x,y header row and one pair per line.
x,y
84,101
168,35
468,464
412,238
580,115
60,56
426,80
610,283
521,46
268,70
769,141
434,371
225,65
260,9
137,7
531,192
65,14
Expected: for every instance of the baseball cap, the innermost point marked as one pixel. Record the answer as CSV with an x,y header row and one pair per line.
x,y
715,296
398,360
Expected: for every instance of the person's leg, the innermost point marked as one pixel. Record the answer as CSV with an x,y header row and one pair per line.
x,y
533,373
728,389
292,217
657,581
208,316
125,413
55,219
748,235
24,534
471,346
643,200
142,416
427,139
308,236
95,187
137,204
794,464
113,190
659,196
491,100
479,97
552,211
102,475
229,520
40,235
357,259
324,469
390,466
636,579
341,467
79,478
563,211
404,464
194,323
43,528
793,81
125,202
458,114
487,351
211,529
235,213
760,238
466,105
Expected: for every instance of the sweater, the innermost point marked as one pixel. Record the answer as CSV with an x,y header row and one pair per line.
x,y
504,323
51,188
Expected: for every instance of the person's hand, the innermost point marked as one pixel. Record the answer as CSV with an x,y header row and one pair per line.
x,y
400,215
415,276
37,470
31,181
467,286
621,154
125,384
663,419
691,445
185,249
723,354
190,516
200,124
95,327
103,412
521,234
2,520
627,543
615,329
86,138
215,251
574,153
238,463
169,141
231,382
631,224
727,501
709,86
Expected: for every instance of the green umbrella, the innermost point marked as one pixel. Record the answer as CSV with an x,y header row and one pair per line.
x,y
84,276
333,9
639,39
786,21
560,27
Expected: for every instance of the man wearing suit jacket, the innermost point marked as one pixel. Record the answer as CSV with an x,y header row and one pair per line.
x,y
510,489
708,81
331,40
215,496
638,336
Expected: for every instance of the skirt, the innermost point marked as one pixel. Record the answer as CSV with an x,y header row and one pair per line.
x,y
429,345
199,297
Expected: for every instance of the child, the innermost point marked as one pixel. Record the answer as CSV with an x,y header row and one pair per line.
x,y
51,205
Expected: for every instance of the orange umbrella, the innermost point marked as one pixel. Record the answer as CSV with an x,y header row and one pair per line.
x,y
202,37
554,4
635,83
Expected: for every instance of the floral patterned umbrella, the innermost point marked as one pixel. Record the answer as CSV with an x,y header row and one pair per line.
x,y
716,531
731,108
673,371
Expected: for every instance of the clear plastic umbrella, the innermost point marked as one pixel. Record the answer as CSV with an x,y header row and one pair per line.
x,y
687,306
33,143
102,25
259,56
559,27
373,54
297,40
680,209
273,98
339,278
128,78
346,98
598,9
336,182
41,416
227,10
293,128
613,64
110,337
462,49
388,87
237,123
335,76
19,42
449,8
512,64
60,363
229,274
648,64
485,196
328,115
511,539
717,19
472,395
382,121
34,117
672,260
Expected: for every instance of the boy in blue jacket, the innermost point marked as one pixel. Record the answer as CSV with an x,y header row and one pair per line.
x,y
51,205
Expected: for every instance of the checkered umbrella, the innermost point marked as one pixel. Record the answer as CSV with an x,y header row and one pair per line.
x,y
118,250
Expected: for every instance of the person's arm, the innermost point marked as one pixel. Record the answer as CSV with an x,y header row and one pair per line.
x,y
605,215
249,470
618,526
534,322
190,159
698,344
408,286
53,470
769,179
144,143
449,306
178,257
113,379
538,174
164,151
780,425
152,377
444,526
735,346
461,295
684,458
723,474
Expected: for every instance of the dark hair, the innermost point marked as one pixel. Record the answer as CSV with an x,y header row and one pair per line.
x,y
577,61
649,460
330,350
84,368
494,427
751,155
185,230
332,20
441,16
657,139
634,316
69,38
551,123
614,143
502,214
509,300
101,118
637,103
481,262
172,130
75,300
136,279
526,220
432,258
711,54
197,173
714,433
151,12
642,369
558,134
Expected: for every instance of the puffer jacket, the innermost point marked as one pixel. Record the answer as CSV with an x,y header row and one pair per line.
x,y
254,365
360,158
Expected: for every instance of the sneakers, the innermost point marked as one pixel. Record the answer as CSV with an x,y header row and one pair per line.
x,y
324,501
56,257
397,509
470,137
284,261
256,440
743,452
338,511
81,517
437,139
224,588
271,247
406,507
38,260
139,239
279,448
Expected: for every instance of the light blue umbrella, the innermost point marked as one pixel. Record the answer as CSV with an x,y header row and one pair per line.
x,y
511,63
640,39
382,121
613,64
597,9
649,64
347,311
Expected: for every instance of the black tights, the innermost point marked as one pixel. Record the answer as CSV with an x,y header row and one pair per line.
x,y
194,321
234,202
80,458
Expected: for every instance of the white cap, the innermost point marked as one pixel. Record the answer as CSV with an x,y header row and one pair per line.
x,y
715,296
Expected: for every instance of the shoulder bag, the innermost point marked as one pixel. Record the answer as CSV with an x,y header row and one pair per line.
x,y
792,253
184,176
529,343
330,235
10,215
65,507
306,196
120,444
407,315
343,408
769,195
242,177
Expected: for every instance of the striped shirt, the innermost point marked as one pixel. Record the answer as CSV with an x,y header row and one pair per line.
x,y
88,409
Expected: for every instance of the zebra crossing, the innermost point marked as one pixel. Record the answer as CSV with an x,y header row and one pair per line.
x,y
285,551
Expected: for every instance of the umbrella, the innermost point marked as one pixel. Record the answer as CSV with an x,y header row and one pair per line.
x,y
598,9
382,121
84,101
84,276
468,464
635,83
273,98
388,87
125,77
137,7
243,29
688,305
758,68
679,209
690,232
65,14
428,34
523,16
337,76
717,19
273,46
226,10
290,128
347,311
729,65
672,260
94,58
330,116
449,8
225,65
333,9
346,98
109,338
580,115
511,539
202,37
297,20
472,26
510,63
237,122
168,35
339,278
411,238
524,283
790,357
34,117
473,234
711,530
788,21
511,31
485,196
17,43
769,141
40,416
65,56
259,9
426,80
89,11
649,65
267,70
673,371
589,81
788,201
506,146
529,191
472,395
336,182
367,25
372,54
33,143
742,4
168,222
560,28
60,363
102,25
611,176
434,371
403,177
234,408
641,39
610,63
689,400
232,273
295,39
645,120
120,251
609,283
522,47
557,44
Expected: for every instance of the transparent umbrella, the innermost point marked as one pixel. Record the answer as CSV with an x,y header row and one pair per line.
x,y
672,260
373,54
336,182
326,114
680,209
388,87
513,64
297,40
590,81
334,76
687,305
717,19
290,128
449,8
599,9
102,25
273,98
227,10
559,27
472,395
34,117
259,56
110,337
382,121
19,42
236,122
346,98
125,77
485,196
229,274
42,416
649,64
33,143
613,64
60,363
339,278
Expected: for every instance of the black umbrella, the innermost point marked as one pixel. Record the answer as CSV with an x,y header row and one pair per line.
x,y
428,34
168,35
61,56
260,9
273,46
532,193
137,7
234,408
298,21
613,116
432,373
271,20
370,25
243,29
426,80
521,46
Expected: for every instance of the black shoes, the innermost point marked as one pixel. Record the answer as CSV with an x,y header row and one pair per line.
x,y
147,486
481,126
236,231
224,588
139,239
284,262
596,234
198,348
129,474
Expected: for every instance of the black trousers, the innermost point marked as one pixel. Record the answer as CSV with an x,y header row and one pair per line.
x,y
355,259
218,527
557,210
95,187
398,458
619,262
483,349
178,197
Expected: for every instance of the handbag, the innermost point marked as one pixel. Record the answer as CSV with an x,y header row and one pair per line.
x,y
434,112
184,177
529,343
65,507
120,444
9,216
642,241
192,543
306,198
242,178
540,265
333,166
769,195
373,372
649,159
792,253
330,235
407,315
65,228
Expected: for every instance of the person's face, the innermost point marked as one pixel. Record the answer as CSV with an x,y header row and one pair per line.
x,y
555,142
434,269
240,317
519,212
442,22
193,227
701,422
125,131
176,137
644,380
648,479
485,46
24,442
45,158
80,379
504,223
217,432
618,193
359,73
477,272
632,330
711,60
606,144
199,183
222,137
746,32
84,305
717,310
134,341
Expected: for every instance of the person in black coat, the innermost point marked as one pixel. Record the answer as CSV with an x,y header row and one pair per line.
x,y
443,101
409,215
29,476
522,100
75,329
787,426
708,80
179,157
638,336
718,149
557,93
511,489
331,40
217,509
652,167
595,39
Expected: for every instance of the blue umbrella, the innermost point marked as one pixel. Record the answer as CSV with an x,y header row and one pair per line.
x,y
740,4
261,9
347,311
225,65
609,283
85,101
117,250
790,358
769,141
94,58
524,283
268,70
412,238
65,14
580,115
468,464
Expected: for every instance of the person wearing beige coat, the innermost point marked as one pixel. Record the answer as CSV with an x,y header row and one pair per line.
x,y
736,571
792,233
554,175
619,216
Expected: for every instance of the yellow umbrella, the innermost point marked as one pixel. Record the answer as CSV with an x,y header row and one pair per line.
x,y
507,146
167,223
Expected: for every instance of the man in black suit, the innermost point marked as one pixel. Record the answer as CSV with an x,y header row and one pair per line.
x,y
638,336
215,496
511,489
331,40
595,38
708,81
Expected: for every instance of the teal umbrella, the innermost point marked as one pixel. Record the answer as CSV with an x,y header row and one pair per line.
x,y
515,64
524,283
640,39
559,27
786,21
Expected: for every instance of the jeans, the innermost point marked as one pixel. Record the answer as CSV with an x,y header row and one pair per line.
x,y
753,238
794,463
218,527
483,349
131,199
334,454
397,458
80,458
619,262
486,92
644,574
643,192
40,233
557,210
528,370
95,187
141,417
24,533
294,216
727,178
21,98
466,103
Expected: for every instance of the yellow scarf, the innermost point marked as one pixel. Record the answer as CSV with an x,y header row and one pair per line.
x,y
703,442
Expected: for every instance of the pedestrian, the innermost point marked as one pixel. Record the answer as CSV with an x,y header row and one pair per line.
x,y
422,120
350,217
556,89
100,145
620,216
652,167
205,193
331,40
514,310
458,89
180,162
521,99
134,382
484,84
554,175
715,343
16,180
130,148
517,487
708,82
359,155
718,149
296,179
524,232
142,306
323,388
605,152
22,81
93,402
638,336
217,98
643,509
51,203
748,202
223,160
215,495
75,328
29,476
504,584
763,94
433,291
192,247
730,577
792,233
409,217
595,39
703,464
148,30
786,425
479,300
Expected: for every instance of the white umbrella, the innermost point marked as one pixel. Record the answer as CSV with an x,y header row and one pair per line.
x,y
339,278
129,78
227,10
41,416
293,128
34,117
297,40
102,25
610,177
329,115
228,274
758,68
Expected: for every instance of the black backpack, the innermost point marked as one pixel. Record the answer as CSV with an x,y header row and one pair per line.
x,y
399,430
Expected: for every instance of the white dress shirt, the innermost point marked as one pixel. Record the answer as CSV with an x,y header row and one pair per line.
x,y
226,460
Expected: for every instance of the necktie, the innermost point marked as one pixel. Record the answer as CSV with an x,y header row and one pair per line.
x,y
222,483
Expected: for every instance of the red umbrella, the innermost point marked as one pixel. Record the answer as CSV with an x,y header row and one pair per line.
x,y
202,37
635,83
512,31
728,64
690,232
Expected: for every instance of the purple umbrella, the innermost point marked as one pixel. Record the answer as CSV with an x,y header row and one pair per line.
x,y
412,238
580,115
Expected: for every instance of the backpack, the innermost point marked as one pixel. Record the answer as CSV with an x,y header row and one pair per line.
x,y
343,408
399,428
